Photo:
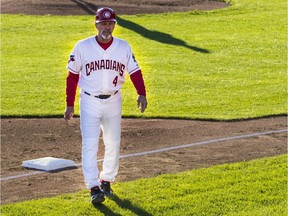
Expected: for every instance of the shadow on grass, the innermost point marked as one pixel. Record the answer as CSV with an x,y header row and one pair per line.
x,y
157,36
105,210
124,204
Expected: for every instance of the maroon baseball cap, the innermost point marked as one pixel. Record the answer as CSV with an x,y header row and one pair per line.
x,y
105,14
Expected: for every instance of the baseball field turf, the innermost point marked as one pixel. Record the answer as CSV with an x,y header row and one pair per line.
x,y
224,64
249,188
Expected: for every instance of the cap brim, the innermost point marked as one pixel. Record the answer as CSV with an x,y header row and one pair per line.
x,y
107,20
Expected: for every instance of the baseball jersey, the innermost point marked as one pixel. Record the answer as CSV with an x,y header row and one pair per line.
x,y
102,71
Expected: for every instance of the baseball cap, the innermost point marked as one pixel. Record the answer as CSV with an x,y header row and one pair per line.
x,y
105,14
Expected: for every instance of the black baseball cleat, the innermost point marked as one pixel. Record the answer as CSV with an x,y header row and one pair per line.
x,y
105,188
97,195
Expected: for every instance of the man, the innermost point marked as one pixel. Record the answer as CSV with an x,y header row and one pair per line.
x,y
98,65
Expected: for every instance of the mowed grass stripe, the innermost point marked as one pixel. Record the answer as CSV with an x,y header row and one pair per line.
x,y
257,187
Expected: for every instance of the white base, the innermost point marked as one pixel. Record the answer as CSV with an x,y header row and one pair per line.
x,y
48,163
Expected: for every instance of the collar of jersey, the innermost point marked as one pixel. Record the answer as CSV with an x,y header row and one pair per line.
x,y
105,46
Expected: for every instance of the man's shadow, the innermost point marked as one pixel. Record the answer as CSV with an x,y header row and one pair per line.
x,y
161,37
124,204
157,36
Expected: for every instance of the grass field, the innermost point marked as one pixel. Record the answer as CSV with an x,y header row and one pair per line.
x,y
223,64
255,188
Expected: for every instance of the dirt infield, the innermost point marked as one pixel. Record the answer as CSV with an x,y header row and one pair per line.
x,y
24,139
81,7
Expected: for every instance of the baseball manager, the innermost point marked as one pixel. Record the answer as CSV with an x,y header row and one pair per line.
x,y
99,65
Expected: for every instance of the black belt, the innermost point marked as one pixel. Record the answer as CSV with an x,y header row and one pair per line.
x,y
100,96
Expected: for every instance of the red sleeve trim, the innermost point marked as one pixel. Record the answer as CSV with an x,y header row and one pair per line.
x,y
71,87
138,82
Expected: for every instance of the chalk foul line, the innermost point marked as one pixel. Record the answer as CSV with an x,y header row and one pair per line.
x,y
162,150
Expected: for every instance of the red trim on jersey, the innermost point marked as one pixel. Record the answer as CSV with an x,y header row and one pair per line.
x,y
138,82
71,87
105,46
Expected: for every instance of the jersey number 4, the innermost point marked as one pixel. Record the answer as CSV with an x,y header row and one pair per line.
x,y
115,80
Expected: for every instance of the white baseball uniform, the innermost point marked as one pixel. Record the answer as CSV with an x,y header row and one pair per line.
x,y
101,72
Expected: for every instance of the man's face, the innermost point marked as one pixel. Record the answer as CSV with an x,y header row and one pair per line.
x,y
105,29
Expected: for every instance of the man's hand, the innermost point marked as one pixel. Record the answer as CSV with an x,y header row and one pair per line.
x,y
142,103
69,112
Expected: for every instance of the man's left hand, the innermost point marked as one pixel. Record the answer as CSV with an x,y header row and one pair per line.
x,y
142,103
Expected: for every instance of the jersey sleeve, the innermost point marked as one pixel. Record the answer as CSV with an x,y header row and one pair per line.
x,y
132,66
74,60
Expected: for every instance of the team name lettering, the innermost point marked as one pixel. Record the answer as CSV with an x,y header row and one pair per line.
x,y
104,65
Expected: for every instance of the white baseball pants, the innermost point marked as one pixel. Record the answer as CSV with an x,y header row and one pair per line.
x,y
95,115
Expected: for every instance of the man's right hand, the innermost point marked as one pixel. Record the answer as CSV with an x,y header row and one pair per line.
x,y
69,112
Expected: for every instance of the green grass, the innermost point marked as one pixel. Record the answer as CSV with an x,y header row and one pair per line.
x,y
222,64
257,188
